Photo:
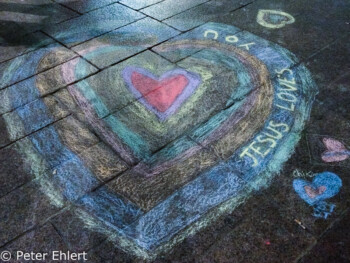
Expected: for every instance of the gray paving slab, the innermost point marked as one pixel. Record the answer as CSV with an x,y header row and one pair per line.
x,y
124,42
16,46
203,13
169,8
263,236
4,138
44,239
93,24
33,17
327,122
23,93
7,29
11,71
17,172
333,246
83,6
138,4
29,2
20,211
331,62
107,250
74,232
32,117
178,54
330,68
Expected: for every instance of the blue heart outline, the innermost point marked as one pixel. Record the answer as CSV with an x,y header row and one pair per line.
x,y
331,181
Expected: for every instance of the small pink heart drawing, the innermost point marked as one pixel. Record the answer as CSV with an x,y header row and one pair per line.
x,y
313,192
335,152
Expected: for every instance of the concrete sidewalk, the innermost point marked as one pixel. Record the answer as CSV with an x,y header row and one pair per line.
x,y
174,131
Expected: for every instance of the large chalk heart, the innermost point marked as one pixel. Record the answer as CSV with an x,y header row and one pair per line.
x,y
152,148
325,185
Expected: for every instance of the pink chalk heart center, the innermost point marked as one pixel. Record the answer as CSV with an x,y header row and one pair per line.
x,y
161,94
312,192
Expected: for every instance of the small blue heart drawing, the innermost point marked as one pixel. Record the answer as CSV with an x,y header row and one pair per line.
x,y
325,185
